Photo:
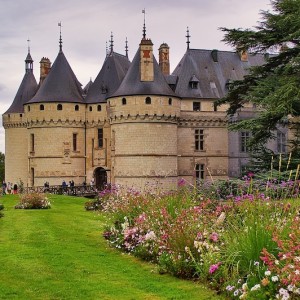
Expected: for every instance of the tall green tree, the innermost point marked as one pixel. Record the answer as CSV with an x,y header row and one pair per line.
x,y
275,86
2,167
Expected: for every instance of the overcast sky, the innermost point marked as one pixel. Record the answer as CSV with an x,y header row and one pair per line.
x,y
87,26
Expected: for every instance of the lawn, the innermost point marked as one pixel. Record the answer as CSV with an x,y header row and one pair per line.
x,y
60,253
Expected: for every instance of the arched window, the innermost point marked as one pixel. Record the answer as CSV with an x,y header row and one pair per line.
x,y
170,101
76,107
91,108
99,108
124,102
148,100
28,108
59,107
42,107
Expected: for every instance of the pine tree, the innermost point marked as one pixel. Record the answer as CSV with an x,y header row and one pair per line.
x,y
275,86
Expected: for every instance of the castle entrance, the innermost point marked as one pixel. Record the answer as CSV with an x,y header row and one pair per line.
x,y
100,178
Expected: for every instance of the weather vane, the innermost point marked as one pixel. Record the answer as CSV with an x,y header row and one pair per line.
x,y
144,28
28,41
60,39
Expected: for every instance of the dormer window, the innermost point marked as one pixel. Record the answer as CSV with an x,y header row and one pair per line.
x,y
196,106
42,107
124,101
103,89
59,107
194,82
148,100
228,84
99,108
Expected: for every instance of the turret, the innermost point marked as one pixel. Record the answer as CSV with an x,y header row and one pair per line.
x,y
15,125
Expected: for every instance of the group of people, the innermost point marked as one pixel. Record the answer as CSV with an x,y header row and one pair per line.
x,y
9,188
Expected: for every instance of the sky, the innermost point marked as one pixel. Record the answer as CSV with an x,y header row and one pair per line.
x,y
87,26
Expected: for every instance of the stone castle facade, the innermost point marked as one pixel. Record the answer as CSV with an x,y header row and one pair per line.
x,y
135,125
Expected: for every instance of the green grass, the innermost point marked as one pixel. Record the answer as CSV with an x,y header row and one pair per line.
x,y
60,253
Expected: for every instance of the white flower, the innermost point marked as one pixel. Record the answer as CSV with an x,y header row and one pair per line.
x,y
245,287
274,278
236,292
290,287
297,272
284,294
256,287
268,273
150,236
276,262
256,263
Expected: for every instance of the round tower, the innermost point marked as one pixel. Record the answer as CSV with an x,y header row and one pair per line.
x,y
15,125
56,128
143,115
98,158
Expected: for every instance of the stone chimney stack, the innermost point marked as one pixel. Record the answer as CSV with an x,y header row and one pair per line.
x,y
45,67
244,55
146,61
164,61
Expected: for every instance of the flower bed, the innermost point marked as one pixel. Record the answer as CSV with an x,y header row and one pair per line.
x,y
33,201
247,247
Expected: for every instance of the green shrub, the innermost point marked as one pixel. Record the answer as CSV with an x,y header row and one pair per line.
x,y
1,208
95,204
33,201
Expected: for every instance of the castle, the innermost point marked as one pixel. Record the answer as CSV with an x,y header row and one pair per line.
x,y
135,125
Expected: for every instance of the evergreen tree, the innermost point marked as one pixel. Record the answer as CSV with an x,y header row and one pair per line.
x,y
275,86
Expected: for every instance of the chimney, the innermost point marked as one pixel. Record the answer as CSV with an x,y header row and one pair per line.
x,y
244,55
214,55
164,62
45,67
146,60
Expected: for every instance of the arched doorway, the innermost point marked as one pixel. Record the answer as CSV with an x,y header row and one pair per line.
x,y
100,178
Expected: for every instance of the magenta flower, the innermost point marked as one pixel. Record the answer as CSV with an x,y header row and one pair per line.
x,y
214,268
214,237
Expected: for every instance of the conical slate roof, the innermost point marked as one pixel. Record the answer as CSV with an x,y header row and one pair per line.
x,y
109,78
132,85
60,85
26,90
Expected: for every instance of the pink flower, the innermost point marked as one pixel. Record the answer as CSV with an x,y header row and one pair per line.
x,y
214,268
214,237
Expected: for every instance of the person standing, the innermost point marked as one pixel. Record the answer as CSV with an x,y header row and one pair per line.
x,y
9,188
15,189
4,186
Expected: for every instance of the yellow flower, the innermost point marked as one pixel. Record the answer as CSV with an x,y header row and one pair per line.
x,y
265,281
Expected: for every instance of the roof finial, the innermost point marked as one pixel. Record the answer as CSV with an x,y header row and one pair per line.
x,y
28,41
126,47
111,43
106,49
144,28
188,37
60,39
